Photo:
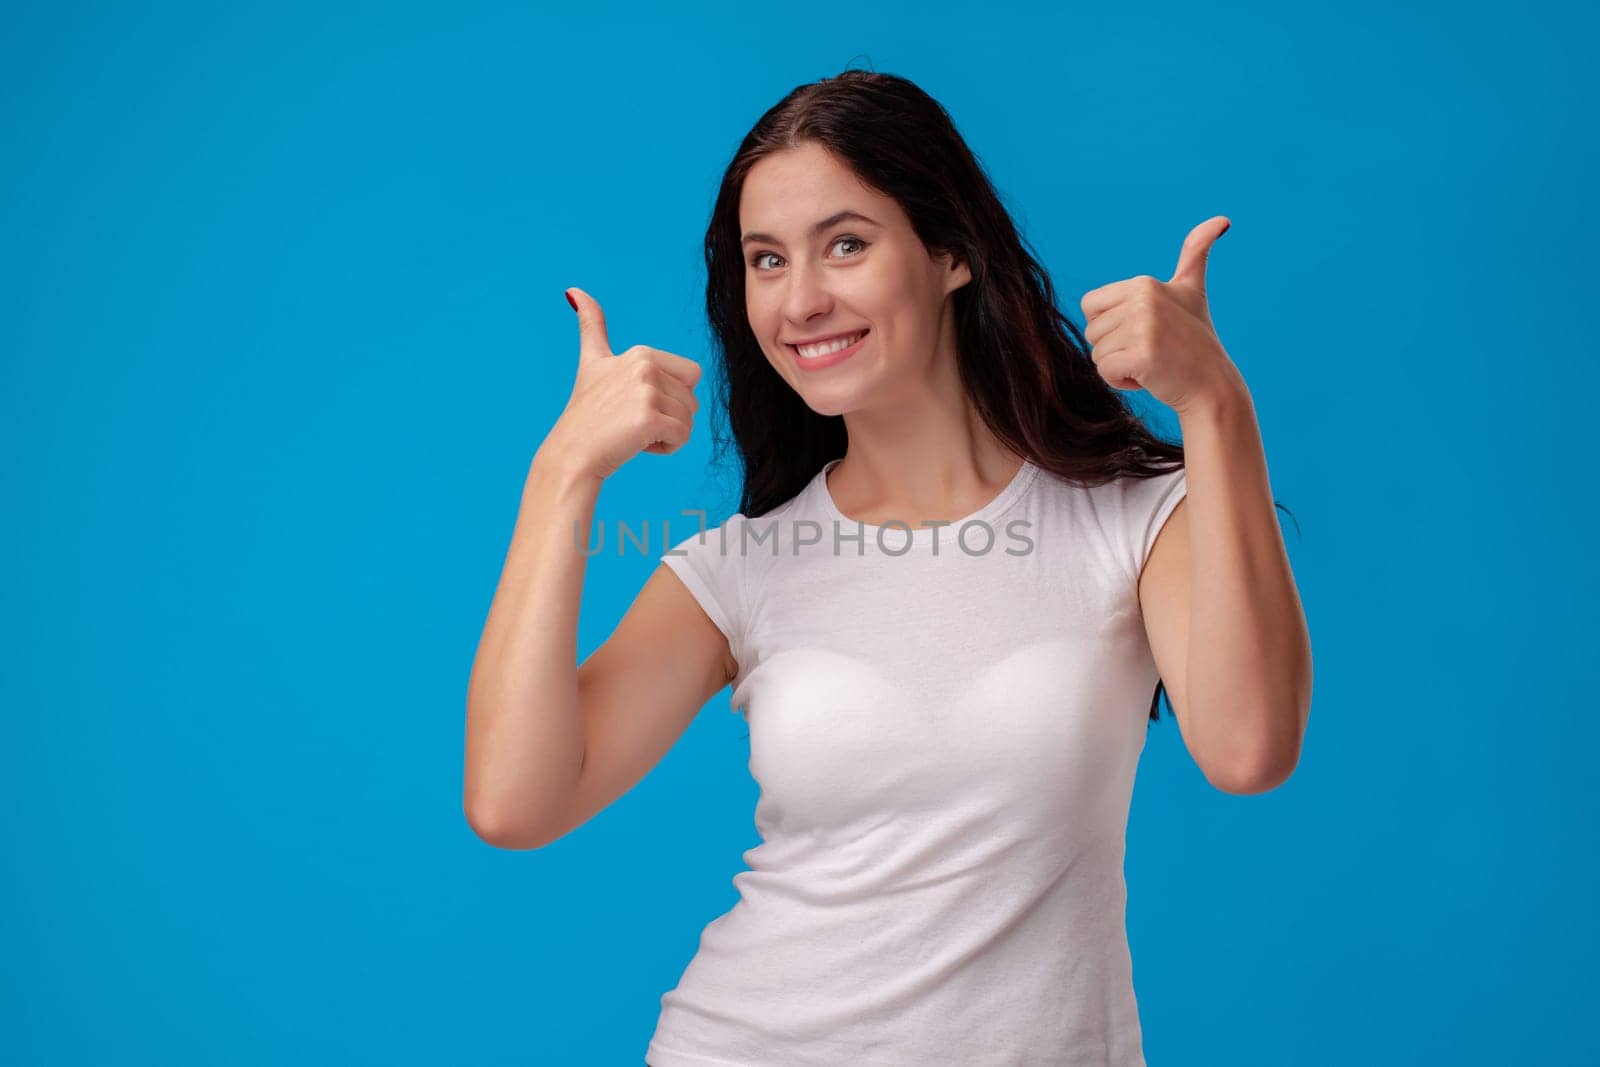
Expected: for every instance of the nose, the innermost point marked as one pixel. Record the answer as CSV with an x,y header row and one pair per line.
x,y
807,295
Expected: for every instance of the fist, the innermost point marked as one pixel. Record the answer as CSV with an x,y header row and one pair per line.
x,y
1158,336
639,401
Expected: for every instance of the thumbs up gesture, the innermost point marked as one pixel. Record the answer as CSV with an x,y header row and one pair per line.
x,y
1157,336
640,400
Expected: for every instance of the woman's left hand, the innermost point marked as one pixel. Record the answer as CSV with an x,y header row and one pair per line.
x,y
1157,336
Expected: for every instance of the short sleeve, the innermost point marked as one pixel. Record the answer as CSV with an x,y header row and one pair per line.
x,y
711,565
1147,503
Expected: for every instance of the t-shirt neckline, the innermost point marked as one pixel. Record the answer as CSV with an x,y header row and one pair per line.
x,y
924,534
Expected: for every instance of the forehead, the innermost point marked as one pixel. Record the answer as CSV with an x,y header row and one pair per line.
x,y
788,190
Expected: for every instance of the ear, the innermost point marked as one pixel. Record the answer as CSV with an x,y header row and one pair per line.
x,y
956,272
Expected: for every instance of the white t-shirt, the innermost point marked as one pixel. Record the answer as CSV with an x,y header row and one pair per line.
x,y
944,727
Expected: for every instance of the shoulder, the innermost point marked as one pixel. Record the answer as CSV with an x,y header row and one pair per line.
x,y
1125,513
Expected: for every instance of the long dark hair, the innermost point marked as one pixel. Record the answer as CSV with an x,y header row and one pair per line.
x,y
1025,365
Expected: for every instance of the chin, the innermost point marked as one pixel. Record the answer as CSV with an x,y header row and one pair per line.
x,y
832,405
827,411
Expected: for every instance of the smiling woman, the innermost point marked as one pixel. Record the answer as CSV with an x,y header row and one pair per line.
x,y
933,606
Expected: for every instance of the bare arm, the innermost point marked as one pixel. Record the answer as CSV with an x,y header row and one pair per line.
x,y
1223,613
530,709
550,748
524,734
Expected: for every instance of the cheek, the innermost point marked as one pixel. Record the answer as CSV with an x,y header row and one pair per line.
x,y
765,319
775,359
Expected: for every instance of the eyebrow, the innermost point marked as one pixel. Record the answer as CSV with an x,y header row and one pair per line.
x,y
832,220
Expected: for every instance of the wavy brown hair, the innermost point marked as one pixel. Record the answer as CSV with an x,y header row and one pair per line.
x,y
1026,366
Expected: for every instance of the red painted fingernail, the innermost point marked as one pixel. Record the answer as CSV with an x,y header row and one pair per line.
x,y
571,301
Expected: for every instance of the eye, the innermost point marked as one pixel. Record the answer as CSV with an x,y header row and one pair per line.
x,y
755,260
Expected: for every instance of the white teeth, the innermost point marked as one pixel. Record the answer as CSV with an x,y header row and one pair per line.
x,y
823,349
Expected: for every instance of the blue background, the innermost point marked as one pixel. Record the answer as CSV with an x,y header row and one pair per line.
x,y
283,325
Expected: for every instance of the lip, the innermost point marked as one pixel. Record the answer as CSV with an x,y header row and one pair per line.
x,y
826,337
823,362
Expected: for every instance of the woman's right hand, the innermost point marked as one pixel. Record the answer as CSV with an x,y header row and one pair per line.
x,y
640,400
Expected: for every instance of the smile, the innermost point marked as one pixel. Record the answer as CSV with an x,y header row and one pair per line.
x,y
827,353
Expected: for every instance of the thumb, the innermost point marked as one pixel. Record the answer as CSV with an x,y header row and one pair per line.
x,y
1196,250
592,340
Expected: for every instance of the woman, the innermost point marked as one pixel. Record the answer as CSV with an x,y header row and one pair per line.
x,y
960,565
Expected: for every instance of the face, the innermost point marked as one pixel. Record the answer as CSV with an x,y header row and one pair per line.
x,y
866,272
